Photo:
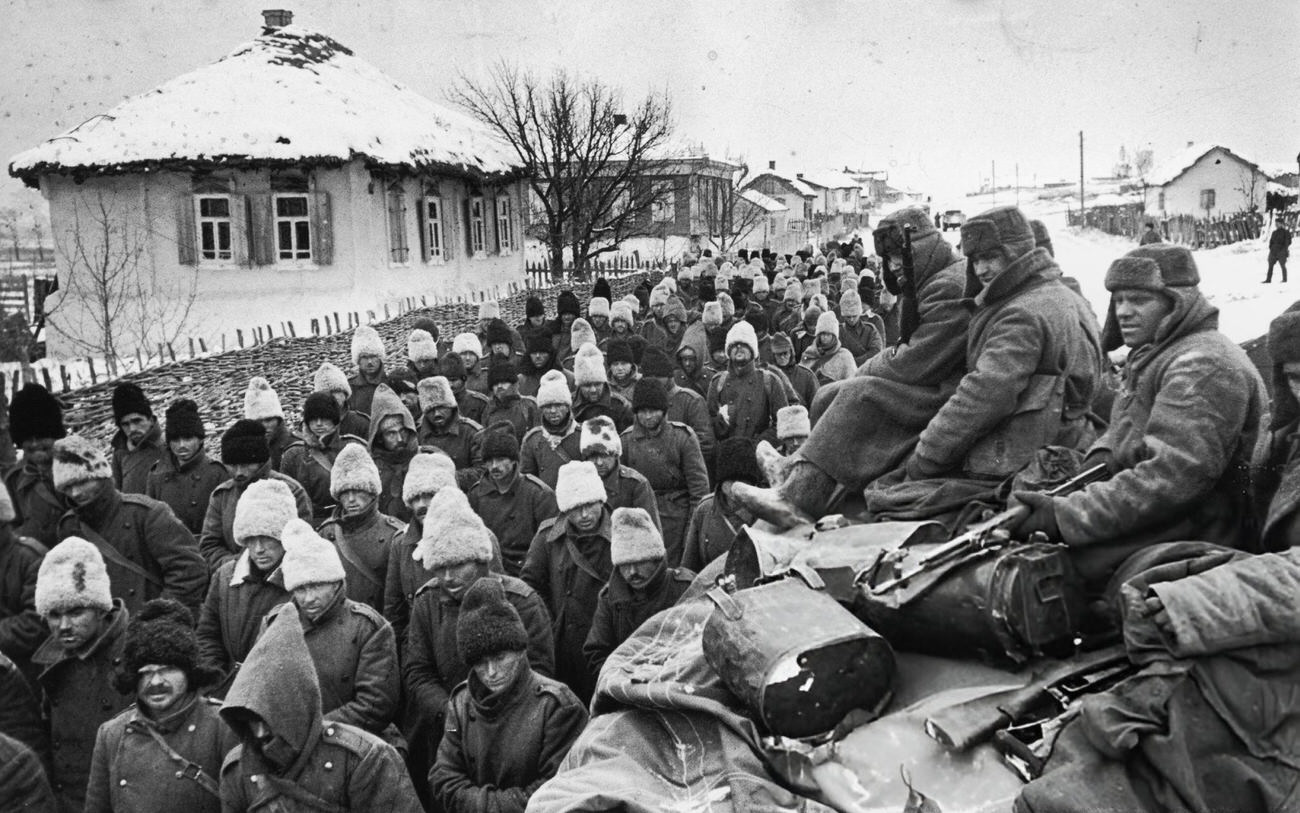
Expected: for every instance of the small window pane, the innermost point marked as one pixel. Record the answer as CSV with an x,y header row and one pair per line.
x,y
285,230
223,239
291,207
214,207
206,241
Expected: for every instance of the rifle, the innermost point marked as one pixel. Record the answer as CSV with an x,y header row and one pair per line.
x,y
910,311
1031,715
983,536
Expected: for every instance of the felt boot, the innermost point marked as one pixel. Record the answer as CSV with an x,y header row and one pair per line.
x,y
801,498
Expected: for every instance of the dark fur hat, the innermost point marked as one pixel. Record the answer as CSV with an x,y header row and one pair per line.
x,y
567,302
499,441
649,394
162,633
655,362
183,421
534,307
498,332
601,288
735,459
452,366
245,442
488,624
502,372
321,405
34,413
129,399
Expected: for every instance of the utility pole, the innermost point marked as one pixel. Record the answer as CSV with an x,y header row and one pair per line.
x,y
993,179
1017,183
1081,206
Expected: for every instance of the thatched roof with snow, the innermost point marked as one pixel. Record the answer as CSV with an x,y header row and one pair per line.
x,y
290,96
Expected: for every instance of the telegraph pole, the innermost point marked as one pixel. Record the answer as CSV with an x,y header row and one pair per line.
x,y
993,179
1081,206
1017,183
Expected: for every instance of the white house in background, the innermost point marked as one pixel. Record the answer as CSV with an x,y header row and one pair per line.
x,y
284,181
789,191
770,229
1205,180
841,193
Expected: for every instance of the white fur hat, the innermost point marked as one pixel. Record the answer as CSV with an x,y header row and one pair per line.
x,y
7,513
811,288
578,484
670,284
427,474
435,391
589,366
727,304
77,460
793,294
598,306
467,343
634,537
632,302
308,558
264,508
329,378
620,311
354,470
688,272
820,301
742,333
712,314
850,303
420,346
489,310
453,533
72,576
553,389
366,342
659,295
827,323
792,422
260,401
761,285
600,436
581,332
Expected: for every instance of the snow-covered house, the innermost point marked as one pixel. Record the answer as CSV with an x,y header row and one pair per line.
x,y
789,191
1205,180
841,193
287,180
769,228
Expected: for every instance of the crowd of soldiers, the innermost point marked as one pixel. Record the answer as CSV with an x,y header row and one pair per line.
x,y
403,600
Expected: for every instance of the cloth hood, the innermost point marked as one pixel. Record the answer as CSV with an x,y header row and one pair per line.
x,y
278,683
386,404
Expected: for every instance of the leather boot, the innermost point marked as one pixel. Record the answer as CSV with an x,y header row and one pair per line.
x,y
800,499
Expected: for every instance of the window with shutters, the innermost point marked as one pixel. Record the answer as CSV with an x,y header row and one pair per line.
x,y
399,250
292,228
664,208
435,238
477,226
1160,201
215,229
1207,199
505,234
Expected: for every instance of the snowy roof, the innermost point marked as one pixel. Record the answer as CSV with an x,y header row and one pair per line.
x,y
832,179
289,95
1274,169
1178,163
763,202
799,186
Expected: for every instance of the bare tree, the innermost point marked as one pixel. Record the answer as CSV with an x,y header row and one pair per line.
x,y
727,216
1251,183
113,300
9,225
590,156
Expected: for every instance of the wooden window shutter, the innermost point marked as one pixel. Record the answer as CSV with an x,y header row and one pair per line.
x,y
496,227
261,231
240,231
187,250
422,225
322,229
469,227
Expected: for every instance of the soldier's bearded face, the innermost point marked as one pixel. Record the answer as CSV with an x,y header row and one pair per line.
x,y
75,628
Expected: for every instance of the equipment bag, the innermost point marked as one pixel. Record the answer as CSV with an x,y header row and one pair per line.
x,y
798,660
1012,603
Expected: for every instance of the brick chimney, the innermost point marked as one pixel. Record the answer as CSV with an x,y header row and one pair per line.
x,y
771,165
275,18
799,175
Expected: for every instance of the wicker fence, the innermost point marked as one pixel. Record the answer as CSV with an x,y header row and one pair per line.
x,y
217,381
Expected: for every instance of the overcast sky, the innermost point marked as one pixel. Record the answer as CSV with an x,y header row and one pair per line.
x,y
935,91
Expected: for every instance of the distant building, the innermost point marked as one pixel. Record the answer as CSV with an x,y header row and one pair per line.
x,y
286,180
770,225
1205,180
790,191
